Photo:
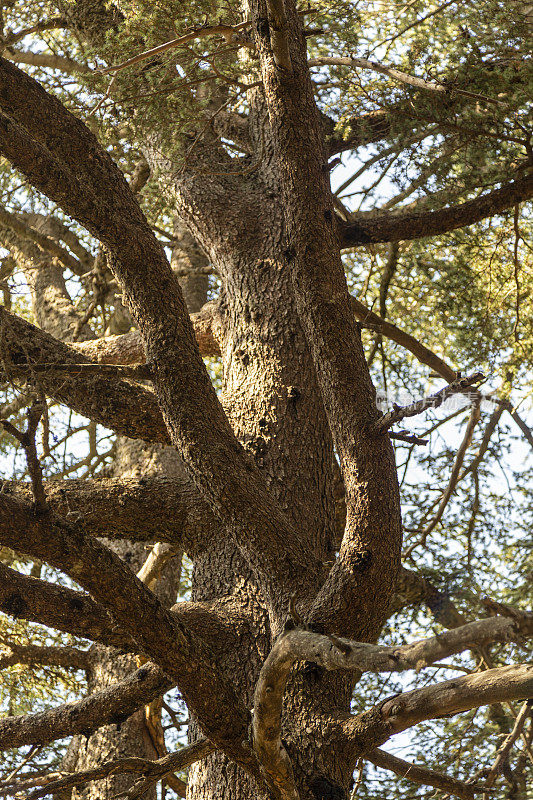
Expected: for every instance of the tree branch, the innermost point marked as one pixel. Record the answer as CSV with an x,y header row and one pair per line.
x,y
168,641
397,75
67,657
130,508
153,769
375,726
388,227
82,178
422,775
23,597
128,348
46,60
110,706
129,409
45,243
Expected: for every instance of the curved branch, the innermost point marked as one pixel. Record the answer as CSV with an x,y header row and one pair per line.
x,y
397,227
333,653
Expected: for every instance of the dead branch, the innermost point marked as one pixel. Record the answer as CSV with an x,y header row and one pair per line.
x,y
433,401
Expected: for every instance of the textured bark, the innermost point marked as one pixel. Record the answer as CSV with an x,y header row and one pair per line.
x,y
253,499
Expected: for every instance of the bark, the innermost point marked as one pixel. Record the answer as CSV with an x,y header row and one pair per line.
x,y
256,510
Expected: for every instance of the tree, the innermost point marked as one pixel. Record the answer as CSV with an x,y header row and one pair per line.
x,y
215,139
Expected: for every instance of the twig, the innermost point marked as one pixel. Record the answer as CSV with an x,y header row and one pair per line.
x,y
455,476
433,401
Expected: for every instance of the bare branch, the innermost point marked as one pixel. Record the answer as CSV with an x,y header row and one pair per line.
x,y
47,60
445,699
44,242
275,762
433,401
333,653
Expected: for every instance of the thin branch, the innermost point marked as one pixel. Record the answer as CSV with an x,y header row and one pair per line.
x,y
228,31
433,401
155,770
398,75
455,476
422,775
505,748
